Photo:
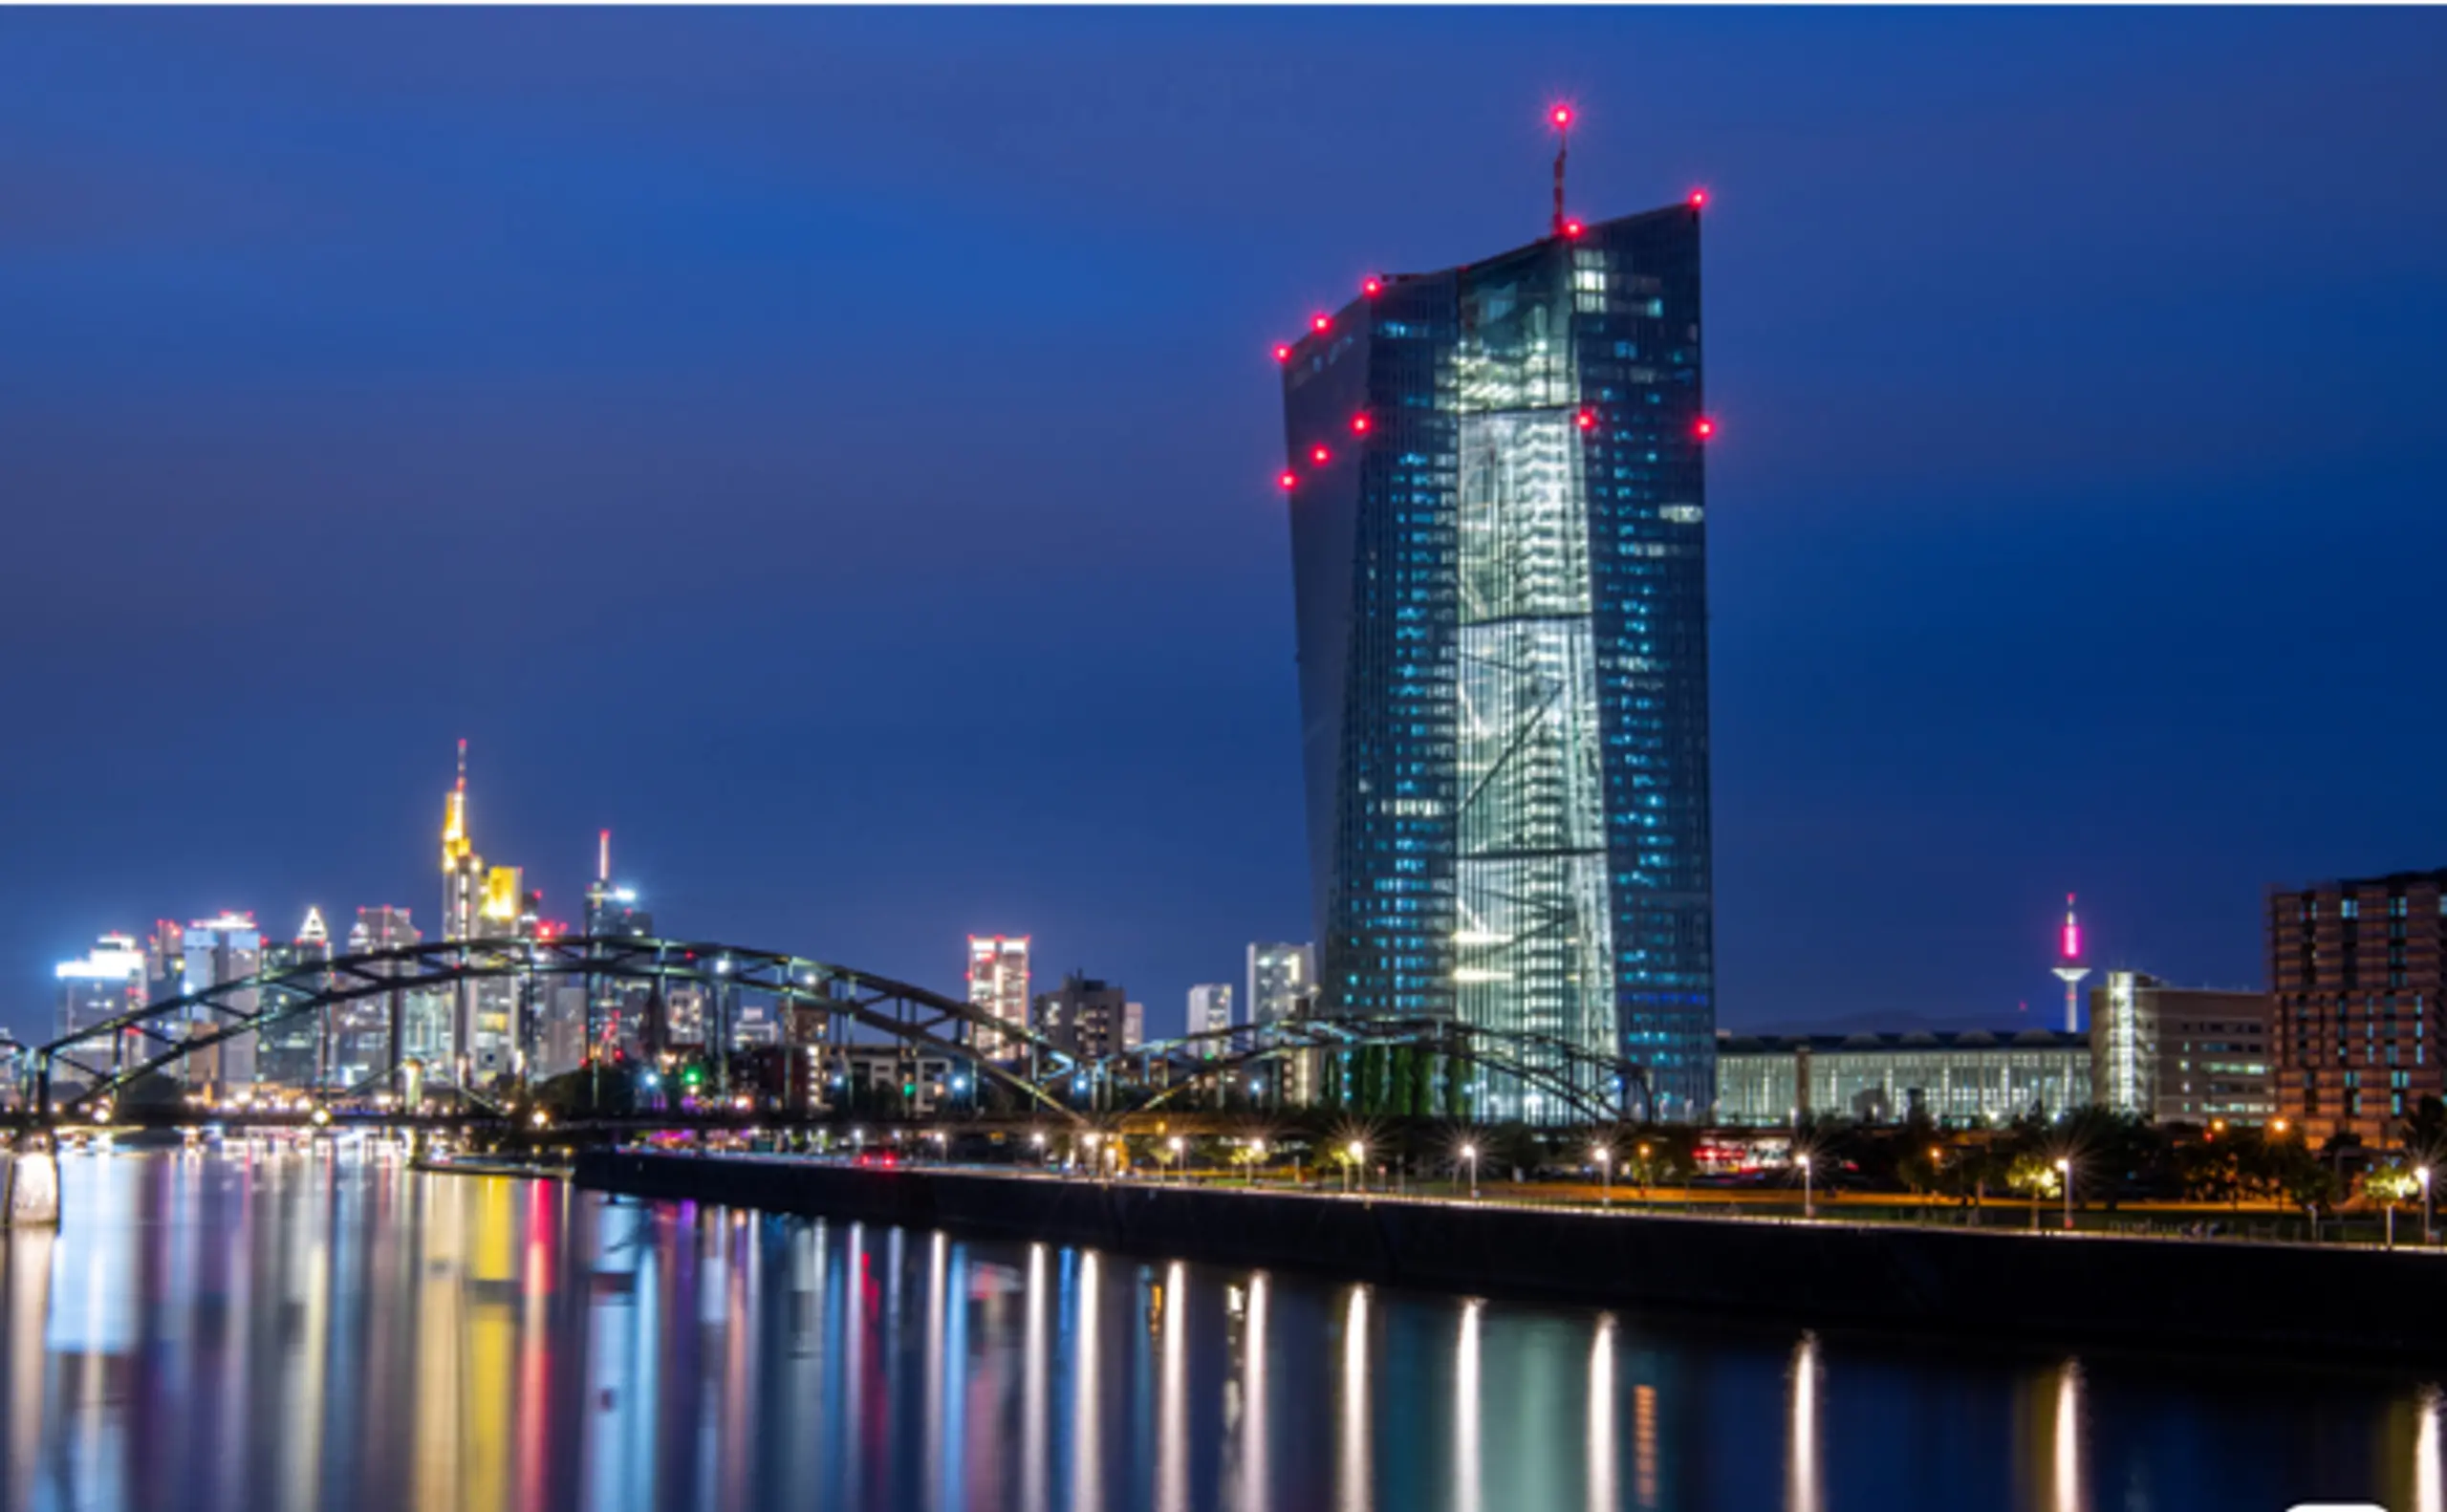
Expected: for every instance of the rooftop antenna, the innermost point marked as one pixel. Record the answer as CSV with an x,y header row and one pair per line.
x,y
463,763
1561,115
603,856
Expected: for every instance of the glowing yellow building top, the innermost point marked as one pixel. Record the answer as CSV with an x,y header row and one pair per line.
x,y
501,895
455,845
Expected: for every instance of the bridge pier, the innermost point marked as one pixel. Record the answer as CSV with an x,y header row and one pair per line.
x,y
30,1183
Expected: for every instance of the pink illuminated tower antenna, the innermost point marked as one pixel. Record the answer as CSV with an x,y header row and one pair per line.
x,y
2071,968
1561,116
603,858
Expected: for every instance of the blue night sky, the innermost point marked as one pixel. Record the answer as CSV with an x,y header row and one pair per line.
x,y
835,451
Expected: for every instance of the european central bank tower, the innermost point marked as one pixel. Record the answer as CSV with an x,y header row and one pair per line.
x,y
1498,529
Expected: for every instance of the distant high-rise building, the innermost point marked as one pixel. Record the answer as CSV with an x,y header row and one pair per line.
x,y
371,1033
2179,1054
1085,1017
1498,505
563,1035
1210,1012
998,982
166,962
486,1020
296,1052
615,1005
2359,969
1280,977
220,950
109,980
1134,1025
462,870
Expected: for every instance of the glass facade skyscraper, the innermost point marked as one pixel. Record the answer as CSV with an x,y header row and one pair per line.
x,y
1497,542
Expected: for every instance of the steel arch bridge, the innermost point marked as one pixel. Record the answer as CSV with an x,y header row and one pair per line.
x,y
1599,1088
108,1056
105,1058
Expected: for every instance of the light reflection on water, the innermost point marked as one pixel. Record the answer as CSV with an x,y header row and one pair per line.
x,y
286,1332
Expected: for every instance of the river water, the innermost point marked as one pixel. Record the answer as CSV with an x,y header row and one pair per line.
x,y
252,1332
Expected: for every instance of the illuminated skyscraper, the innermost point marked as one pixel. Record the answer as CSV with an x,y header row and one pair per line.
x,y
998,981
486,1031
223,949
1210,1012
108,981
615,1005
297,1051
1497,506
372,1033
462,870
1282,979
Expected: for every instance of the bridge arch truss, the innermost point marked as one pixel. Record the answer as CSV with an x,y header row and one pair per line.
x,y
72,1073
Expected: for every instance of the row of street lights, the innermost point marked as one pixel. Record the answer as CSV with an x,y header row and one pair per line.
x,y
1601,1154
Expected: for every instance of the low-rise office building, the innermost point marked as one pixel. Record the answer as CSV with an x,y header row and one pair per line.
x,y
2181,1054
1955,1078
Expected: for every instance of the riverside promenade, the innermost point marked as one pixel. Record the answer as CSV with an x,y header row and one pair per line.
x,y
2346,1302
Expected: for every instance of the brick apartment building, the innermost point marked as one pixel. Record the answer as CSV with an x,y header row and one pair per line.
x,y
2355,969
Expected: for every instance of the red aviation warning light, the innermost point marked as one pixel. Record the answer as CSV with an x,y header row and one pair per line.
x,y
1321,321
1320,456
1372,287
1282,352
1289,481
1698,199
1574,228
1561,115
1586,420
1359,423
1704,428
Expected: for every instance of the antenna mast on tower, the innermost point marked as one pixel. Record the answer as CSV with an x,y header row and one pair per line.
x,y
1561,115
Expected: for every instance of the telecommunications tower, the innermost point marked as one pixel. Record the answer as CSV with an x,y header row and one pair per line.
x,y
2069,967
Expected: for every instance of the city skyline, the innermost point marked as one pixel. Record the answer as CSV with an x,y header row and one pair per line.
x,y
1939,583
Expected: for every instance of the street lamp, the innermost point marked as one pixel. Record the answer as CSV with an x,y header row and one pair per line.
x,y
1036,1137
2421,1174
1808,1194
1173,1144
1605,1174
1257,1154
2065,1169
1470,1153
1357,1152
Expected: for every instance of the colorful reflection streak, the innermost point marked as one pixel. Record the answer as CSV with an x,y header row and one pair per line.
x,y
290,1329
